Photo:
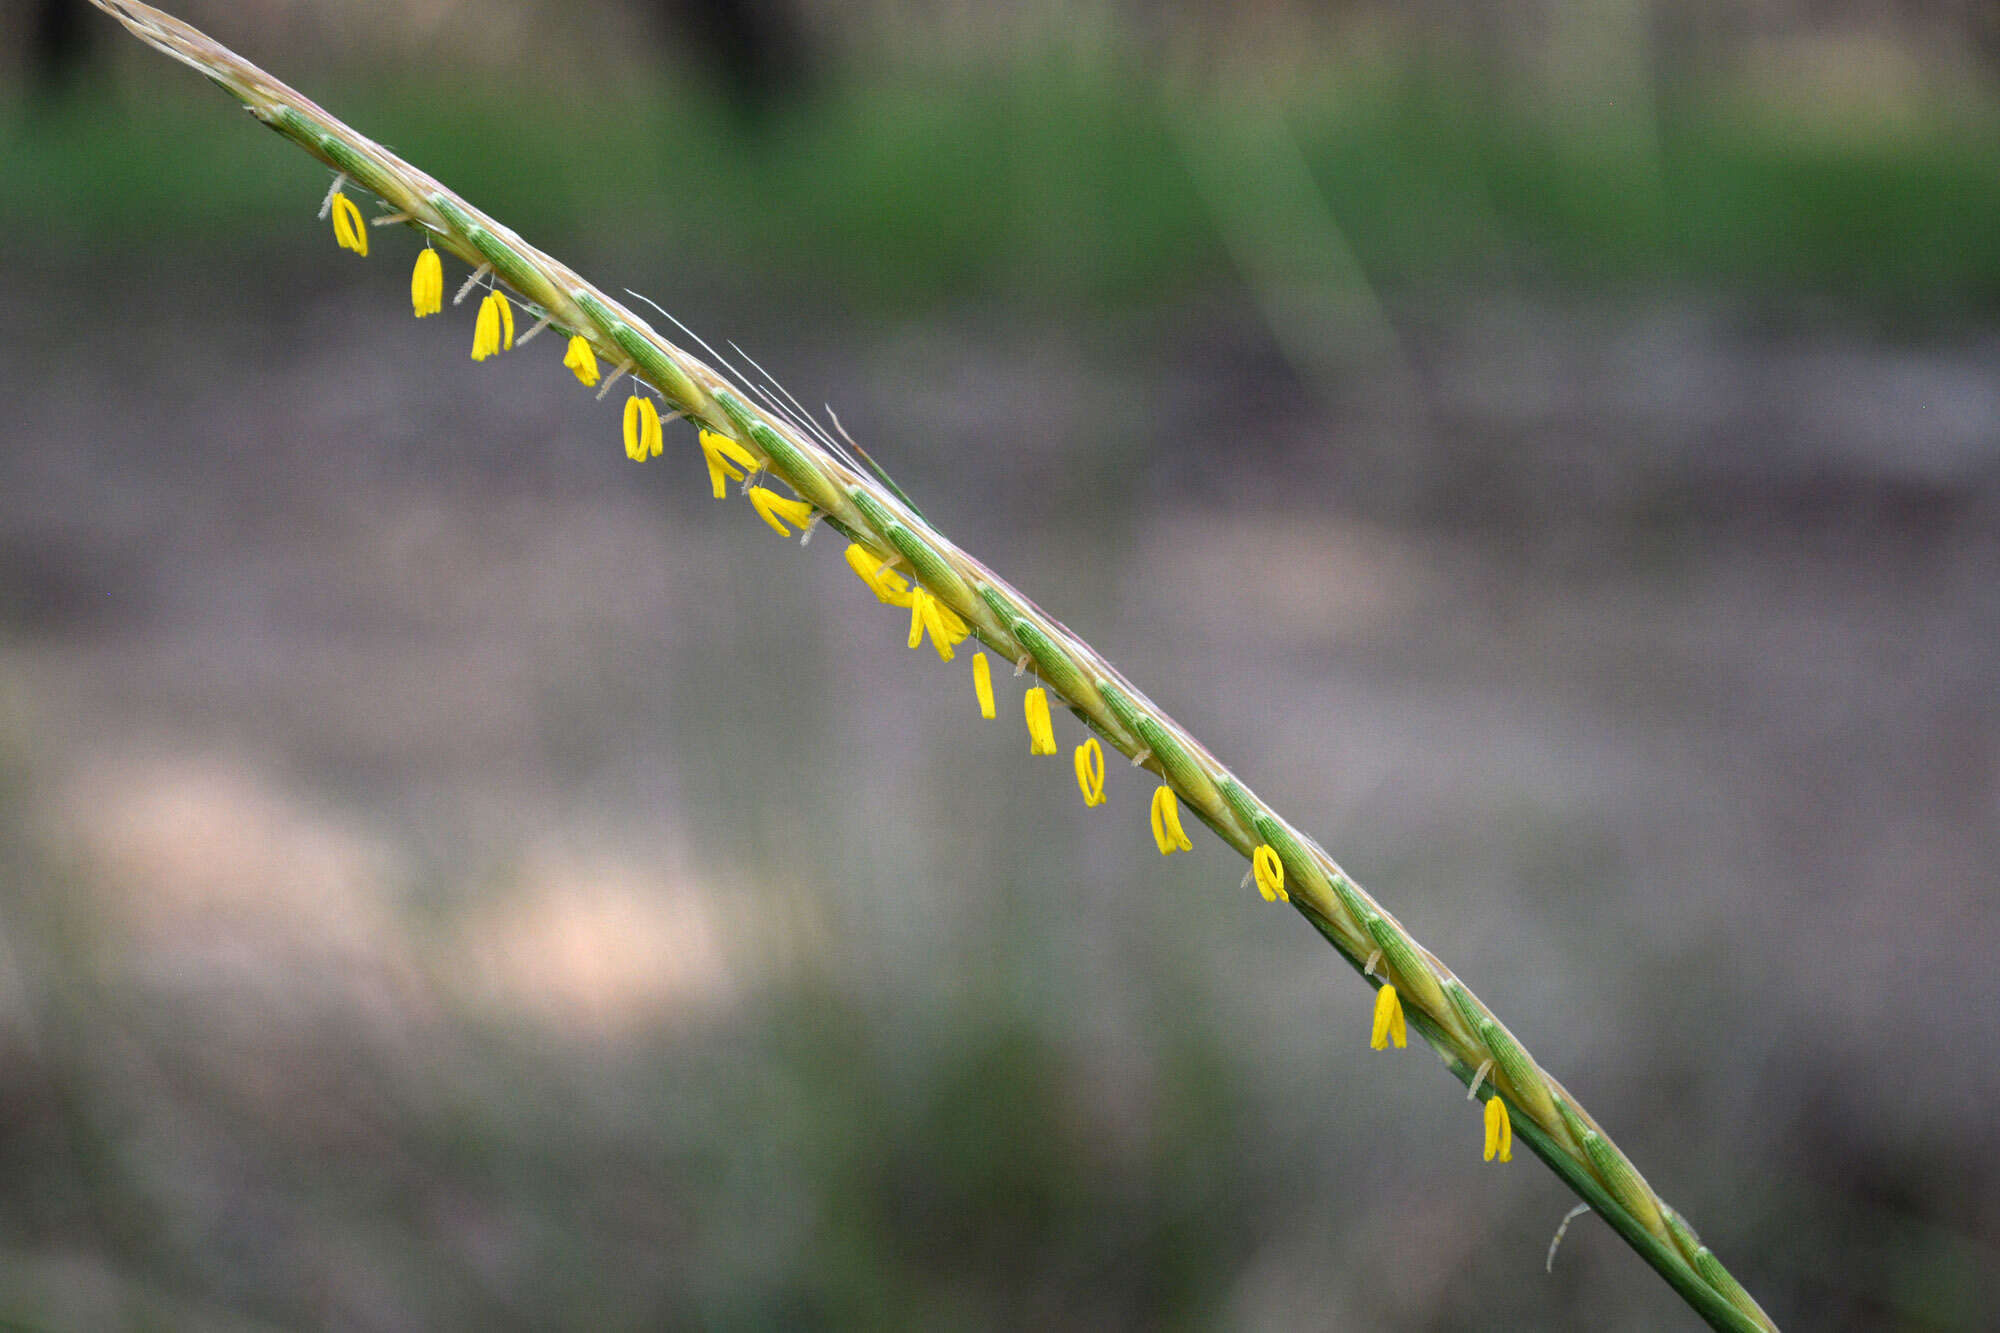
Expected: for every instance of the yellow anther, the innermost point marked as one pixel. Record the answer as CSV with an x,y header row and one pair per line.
x,y
642,428
348,229
1090,771
928,613
1499,1130
1167,831
778,510
1041,734
725,457
494,332
1388,1021
1270,872
887,585
982,683
427,283
581,360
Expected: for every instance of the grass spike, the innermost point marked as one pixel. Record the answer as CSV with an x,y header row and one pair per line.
x,y
1582,1155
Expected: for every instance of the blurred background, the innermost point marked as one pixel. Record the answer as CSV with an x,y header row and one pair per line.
x,y
453,878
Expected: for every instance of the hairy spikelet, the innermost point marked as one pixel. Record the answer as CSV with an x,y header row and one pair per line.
x,y
1473,1043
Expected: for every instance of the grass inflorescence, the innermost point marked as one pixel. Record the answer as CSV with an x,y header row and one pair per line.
x,y
952,597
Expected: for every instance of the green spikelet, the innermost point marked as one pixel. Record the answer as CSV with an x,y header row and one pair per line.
x,y
1531,1090
1416,981
512,268
654,365
805,475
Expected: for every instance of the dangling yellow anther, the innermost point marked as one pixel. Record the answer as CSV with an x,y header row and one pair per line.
x,y
1167,831
1499,1130
887,585
348,229
494,332
1388,1021
642,428
928,613
427,283
581,361
982,683
1090,771
725,456
777,510
1041,734
1270,872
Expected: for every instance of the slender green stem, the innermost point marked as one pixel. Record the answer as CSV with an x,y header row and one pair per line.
x,y
864,507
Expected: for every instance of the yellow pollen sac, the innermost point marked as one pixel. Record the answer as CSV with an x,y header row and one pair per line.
x,y
982,683
725,456
776,510
581,361
1041,735
642,429
1499,1130
1090,771
1270,874
486,332
348,229
1388,1021
427,283
928,613
888,586
1167,830
494,332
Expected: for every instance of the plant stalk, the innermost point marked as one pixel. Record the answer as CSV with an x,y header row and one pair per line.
x,y
863,507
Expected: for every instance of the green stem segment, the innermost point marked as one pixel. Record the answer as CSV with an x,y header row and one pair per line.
x,y
1455,1023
